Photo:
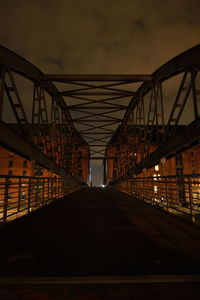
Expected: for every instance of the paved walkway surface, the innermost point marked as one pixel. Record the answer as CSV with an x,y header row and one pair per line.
x,y
99,232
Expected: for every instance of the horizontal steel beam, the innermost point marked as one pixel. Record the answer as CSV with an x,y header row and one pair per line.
x,y
17,144
97,93
97,77
103,157
121,107
96,121
86,133
97,146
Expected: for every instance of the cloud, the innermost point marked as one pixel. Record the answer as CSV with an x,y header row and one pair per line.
x,y
58,62
95,37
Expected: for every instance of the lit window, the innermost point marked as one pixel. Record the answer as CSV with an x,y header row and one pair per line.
x,y
157,168
155,189
155,175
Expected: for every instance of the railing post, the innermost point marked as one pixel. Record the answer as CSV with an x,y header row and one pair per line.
x,y
48,190
152,190
5,207
29,195
19,195
166,194
143,196
43,189
60,190
191,203
51,189
56,188
62,187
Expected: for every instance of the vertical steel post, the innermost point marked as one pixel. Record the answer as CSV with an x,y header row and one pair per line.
x,y
62,187
29,195
56,188
51,189
191,202
19,195
58,185
48,194
43,190
2,78
143,196
166,194
5,207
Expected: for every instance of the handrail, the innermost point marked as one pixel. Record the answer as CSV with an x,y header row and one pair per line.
x,y
20,195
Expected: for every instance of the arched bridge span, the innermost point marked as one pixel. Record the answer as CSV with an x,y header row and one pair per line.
x,y
145,128
140,125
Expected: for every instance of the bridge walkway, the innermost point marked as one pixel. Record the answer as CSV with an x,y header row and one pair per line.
x,y
99,233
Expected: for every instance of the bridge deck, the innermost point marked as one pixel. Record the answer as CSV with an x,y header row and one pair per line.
x,y
99,232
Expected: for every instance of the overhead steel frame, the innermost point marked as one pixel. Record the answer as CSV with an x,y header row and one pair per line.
x,y
98,96
145,123
49,140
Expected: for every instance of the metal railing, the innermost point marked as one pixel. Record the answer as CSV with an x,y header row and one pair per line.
x,y
179,195
19,195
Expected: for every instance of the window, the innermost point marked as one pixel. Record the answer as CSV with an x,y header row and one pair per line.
x,y
10,172
192,163
192,154
155,189
25,164
10,163
157,168
24,173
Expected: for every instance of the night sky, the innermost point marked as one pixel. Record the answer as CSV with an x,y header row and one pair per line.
x,y
107,36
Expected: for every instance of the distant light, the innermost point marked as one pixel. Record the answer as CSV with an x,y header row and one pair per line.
x,y
103,185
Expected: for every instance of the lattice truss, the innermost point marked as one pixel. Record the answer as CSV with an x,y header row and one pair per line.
x,y
41,118
97,104
143,117
163,118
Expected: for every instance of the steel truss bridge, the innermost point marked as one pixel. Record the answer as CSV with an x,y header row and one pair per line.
x,y
59,121
122,240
